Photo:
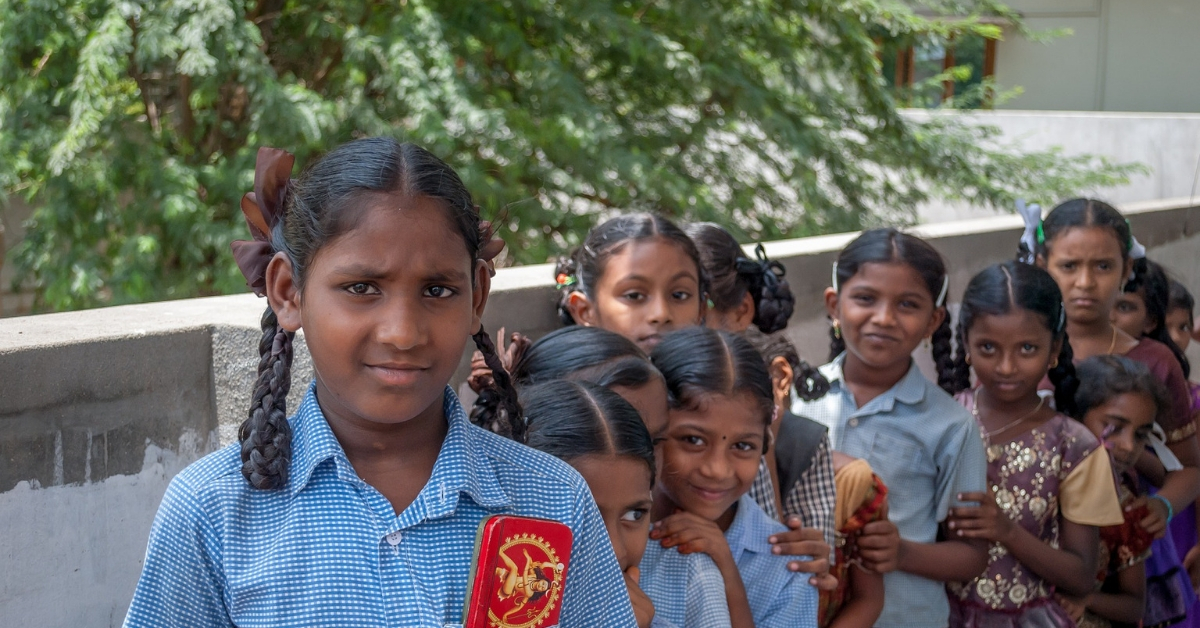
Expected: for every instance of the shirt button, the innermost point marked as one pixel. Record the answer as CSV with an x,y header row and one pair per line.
x,y
393,539
852,422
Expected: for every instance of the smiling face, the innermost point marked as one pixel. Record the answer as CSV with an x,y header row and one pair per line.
x,y
711,455
1089,267
621,487
1010,353
386,309
1123,424
1130,315
1179,326
648,288
884,311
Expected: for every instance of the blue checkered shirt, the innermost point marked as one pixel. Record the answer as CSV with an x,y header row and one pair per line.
x,y
687,589
926,448
779,598
328,549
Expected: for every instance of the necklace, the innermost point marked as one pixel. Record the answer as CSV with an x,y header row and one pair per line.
x,y
988,435
1113,345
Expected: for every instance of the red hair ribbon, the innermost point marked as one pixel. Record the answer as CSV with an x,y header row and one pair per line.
x,y
263,208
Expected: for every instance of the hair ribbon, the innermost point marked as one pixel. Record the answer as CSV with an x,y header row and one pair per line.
x,y
1033,235
770,270
263,209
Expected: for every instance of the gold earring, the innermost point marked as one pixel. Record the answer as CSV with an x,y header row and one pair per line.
x,y
968,359
837,330
1054,364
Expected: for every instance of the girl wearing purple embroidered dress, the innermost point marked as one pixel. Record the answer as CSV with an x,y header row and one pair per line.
x,y
1050,483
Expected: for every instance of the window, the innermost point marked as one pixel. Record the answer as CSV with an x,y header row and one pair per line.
x,y
911,67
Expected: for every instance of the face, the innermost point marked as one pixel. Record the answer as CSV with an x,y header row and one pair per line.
x,y
386,309
884,311
1010,353
1129,314
650,400
1123,424
648,288
711,455
1089,267
621,487
1179,325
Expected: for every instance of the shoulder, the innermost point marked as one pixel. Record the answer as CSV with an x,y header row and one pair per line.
x,y
215,477
1157,356
1075,440
517,467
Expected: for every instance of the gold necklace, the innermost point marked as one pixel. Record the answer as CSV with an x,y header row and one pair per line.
x,y
987,436
1113,345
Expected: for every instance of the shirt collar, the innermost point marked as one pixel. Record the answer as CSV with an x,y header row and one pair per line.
x,y
461,465
746,532
909,390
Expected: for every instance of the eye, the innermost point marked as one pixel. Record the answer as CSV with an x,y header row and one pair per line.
x,y
864,299
636,514
987,347
681,295
633,295
439,292
745,446
1067,266
1104,266
361,289
910,305
1029,348
695,441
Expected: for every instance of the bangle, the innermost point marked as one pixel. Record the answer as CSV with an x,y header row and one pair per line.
x,y
1167,502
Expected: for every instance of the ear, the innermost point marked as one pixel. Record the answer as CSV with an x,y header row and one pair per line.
x,y
939,314
1055,350
743,315
782,377
1126,270
831,303
582,309
1040,261
282,292
480,293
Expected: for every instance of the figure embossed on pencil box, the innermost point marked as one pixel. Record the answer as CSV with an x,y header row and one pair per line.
x,y
530,592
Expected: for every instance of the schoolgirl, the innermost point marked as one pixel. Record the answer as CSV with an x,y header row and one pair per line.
x,y
721,406
1050,482
889,293
361,509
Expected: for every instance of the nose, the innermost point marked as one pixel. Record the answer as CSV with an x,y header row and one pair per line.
x,y
401,324
658,313
715,466
885,315
1007,365
1085,278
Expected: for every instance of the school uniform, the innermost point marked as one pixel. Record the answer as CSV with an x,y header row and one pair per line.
x,y
327,549
687,589
779,598
926,448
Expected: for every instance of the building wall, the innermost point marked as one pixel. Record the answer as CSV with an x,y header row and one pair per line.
x,y
1123,55
99,409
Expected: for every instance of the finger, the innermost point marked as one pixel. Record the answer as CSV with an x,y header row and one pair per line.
x,y
824,582
796,535
814,566
973,496
878,541
794,522
633,573
879,527
803,548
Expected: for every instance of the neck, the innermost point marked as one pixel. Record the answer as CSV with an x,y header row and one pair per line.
x,y
370,444
1099,329
868,382
995,413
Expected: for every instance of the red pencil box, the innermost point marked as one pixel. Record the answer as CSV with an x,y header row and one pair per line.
x,y
518,573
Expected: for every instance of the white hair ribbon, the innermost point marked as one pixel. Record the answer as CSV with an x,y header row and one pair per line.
x,y
1032,215
941,300
833,280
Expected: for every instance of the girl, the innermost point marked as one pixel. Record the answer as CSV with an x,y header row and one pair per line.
x,y
1118,401
857,498
1141,308
1179,324
638,275
889,291
721,405
602,436
1179,317
742,291
1050,481
362,508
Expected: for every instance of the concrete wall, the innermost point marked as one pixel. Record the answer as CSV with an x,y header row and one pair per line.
x,y
1123,55
100,408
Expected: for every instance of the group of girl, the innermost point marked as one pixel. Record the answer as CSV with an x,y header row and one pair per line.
x,y
710,476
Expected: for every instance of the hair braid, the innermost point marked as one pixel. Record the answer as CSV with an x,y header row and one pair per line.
x,y
960,374
266,435
1066,382
507,406
836,344
943,355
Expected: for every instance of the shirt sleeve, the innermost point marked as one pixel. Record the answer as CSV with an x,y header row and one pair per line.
x,y
814,495
181,582
706,602
961,466
1088,495
595,592
794,607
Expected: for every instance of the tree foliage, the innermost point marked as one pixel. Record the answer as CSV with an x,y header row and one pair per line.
x,y
132,125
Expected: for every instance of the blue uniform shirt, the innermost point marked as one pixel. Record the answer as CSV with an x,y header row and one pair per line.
x,y
687,589
926,448
779,598
328,549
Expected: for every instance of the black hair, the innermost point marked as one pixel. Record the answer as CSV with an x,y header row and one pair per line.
x,y
572,419
1083,212
581,270
807,381
1180,298
1104,377
324,203
732,275
1149,280
1001,289
590,354
698,361
889,246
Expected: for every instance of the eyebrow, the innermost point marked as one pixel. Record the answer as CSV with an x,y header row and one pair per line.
x,y
680,275
363,271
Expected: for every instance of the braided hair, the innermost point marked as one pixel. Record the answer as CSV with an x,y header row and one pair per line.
x,y
1150,281
1002,289
807,381
581,270
320,206
732,276
889,246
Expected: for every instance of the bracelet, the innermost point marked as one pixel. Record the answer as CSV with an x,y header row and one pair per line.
x,y
1170,508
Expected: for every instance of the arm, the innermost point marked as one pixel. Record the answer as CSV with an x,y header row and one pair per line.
x,y
944,561
691,534
1182,487
1127,604
866,600
1069,569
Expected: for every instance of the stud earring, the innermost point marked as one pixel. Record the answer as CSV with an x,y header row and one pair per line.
x,y
967,359
1054,364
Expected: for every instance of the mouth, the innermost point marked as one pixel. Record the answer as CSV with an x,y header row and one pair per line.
x,y
1084,303
649,341
711,494
1007,386
397,374
879,338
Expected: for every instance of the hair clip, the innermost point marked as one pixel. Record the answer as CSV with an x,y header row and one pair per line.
x,y
564,280
1132,242
941,300
833,280
1033,235
1136,249
711,305
1062,317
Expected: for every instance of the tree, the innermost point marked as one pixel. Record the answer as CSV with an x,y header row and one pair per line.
x,y
132,125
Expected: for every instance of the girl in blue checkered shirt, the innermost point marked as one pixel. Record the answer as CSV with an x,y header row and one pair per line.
x,y
361,508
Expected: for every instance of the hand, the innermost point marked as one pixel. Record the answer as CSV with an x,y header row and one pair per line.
x,y
1074,606
643,608
985,521
481,374
879,545
801,541
690,534
1191,563
1154,523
